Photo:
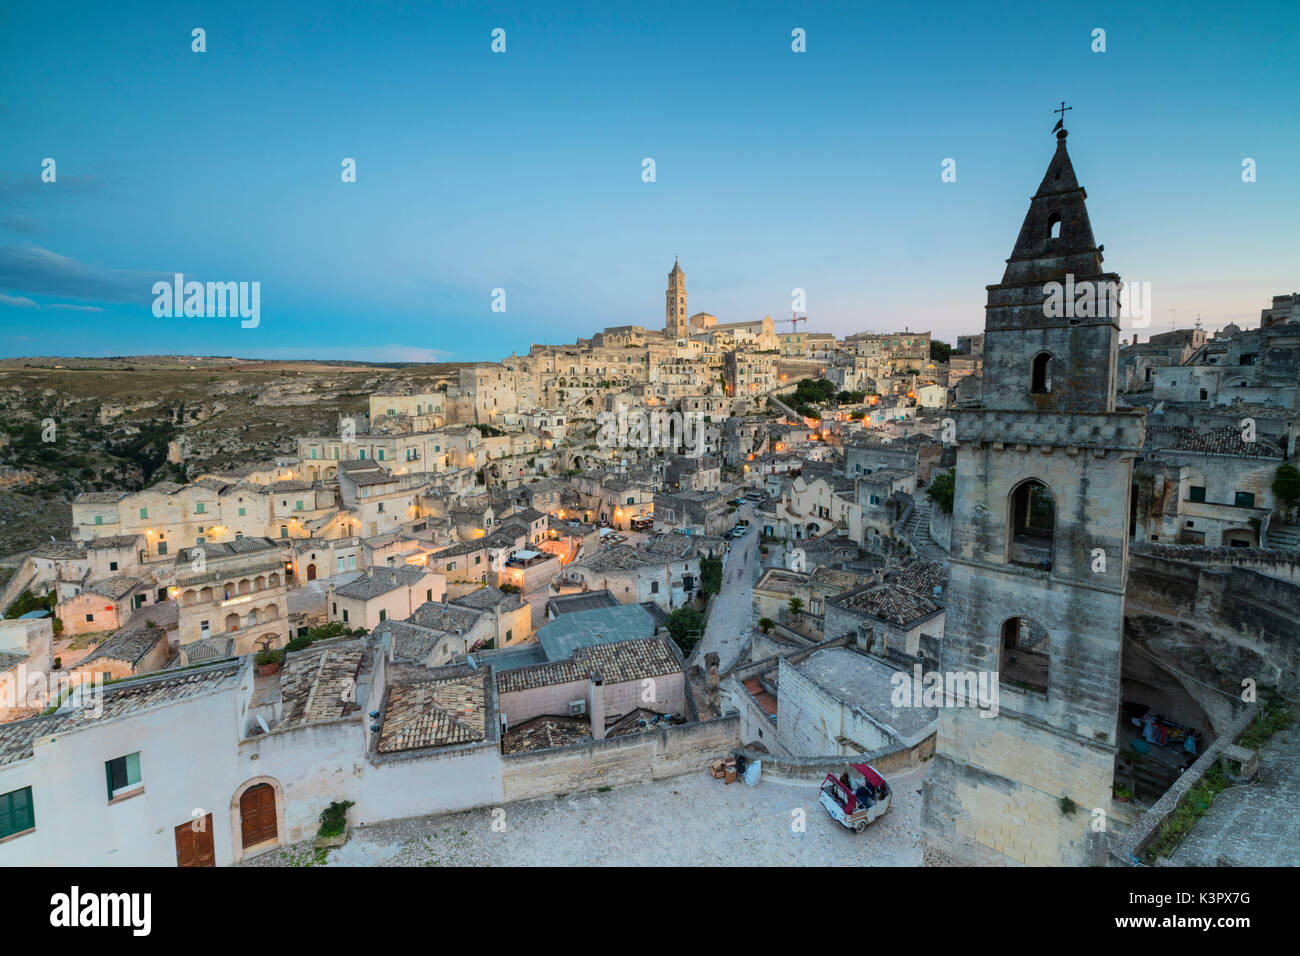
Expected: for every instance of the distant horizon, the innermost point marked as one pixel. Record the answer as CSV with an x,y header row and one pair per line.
x,y
522,171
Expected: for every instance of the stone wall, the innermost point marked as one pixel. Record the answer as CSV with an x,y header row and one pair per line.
x,y
636,758
941,527
1234,622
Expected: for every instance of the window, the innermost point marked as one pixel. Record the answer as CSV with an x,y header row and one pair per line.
x,y
313,453
345,616
112,565
1025,656
90,618
99,519
1054,226
297,506
16,814
478,559
162,547
1245,499
654,587
241,512
1196,493
123,774
144,512
1031,525
1040,382
380,454
428,594
383,615
336,607
284,531
199,508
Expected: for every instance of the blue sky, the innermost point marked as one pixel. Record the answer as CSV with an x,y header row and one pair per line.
x,y
522,170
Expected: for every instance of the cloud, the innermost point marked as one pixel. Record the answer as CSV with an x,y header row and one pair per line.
x,y
32,269
365,353
19,302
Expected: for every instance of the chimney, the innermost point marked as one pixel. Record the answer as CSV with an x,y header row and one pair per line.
x,y
596,704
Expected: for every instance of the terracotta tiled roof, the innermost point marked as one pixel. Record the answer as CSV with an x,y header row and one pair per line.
x,y
889,602
617,663
313,683
1217,441
435,713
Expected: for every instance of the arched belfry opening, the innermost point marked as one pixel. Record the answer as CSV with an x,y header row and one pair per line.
x,y
1054,226
1031,525
1040,374
1024,654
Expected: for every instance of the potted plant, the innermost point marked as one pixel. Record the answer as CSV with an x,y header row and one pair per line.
x,y
267,662
1123,794
333,830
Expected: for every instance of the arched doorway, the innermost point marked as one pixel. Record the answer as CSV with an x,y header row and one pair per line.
x,y
311,572
258,821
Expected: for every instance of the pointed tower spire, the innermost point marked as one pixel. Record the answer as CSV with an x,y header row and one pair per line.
x,y
1051,324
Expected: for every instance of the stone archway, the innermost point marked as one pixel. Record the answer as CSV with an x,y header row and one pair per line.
x,y
257,817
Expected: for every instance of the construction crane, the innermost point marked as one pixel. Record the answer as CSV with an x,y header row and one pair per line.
x,y
794,320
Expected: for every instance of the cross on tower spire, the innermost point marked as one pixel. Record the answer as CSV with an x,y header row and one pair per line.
x,y
1060,124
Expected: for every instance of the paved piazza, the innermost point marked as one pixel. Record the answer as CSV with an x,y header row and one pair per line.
x,y
692,820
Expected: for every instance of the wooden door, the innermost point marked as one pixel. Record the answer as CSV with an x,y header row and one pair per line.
x,y
311,572
257,815
194,843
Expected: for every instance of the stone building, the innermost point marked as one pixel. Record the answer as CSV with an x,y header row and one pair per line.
x,y
1039,558
231,598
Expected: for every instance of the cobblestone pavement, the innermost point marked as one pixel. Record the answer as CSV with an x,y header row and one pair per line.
x,y
731,623
1254,824
692,820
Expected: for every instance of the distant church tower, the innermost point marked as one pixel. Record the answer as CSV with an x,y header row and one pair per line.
x,y
675,311
1039,557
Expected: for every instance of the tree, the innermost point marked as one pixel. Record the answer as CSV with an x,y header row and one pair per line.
x,y
765,624
939,351
942,490
796,605
686,626
1286,487
711,574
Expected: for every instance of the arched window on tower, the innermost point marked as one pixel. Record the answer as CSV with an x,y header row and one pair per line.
x,y
1040,374
1031,525
1024,654
1054,226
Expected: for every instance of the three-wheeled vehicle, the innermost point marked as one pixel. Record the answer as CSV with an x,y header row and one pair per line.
x,y
857,797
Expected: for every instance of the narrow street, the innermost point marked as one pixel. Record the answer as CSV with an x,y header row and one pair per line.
x,y
730,619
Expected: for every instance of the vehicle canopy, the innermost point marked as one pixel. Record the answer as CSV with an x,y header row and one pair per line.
x,y
862,781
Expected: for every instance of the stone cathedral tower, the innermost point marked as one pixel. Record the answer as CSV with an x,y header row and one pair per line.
x,y
1039,557
675,312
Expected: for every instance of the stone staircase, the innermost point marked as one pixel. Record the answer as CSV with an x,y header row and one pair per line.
x,y
1284,537
916,529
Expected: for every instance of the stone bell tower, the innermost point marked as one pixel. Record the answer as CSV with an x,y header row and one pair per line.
x,y
1039,557
676,308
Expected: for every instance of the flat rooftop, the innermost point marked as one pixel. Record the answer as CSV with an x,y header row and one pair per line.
x,y
867,684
